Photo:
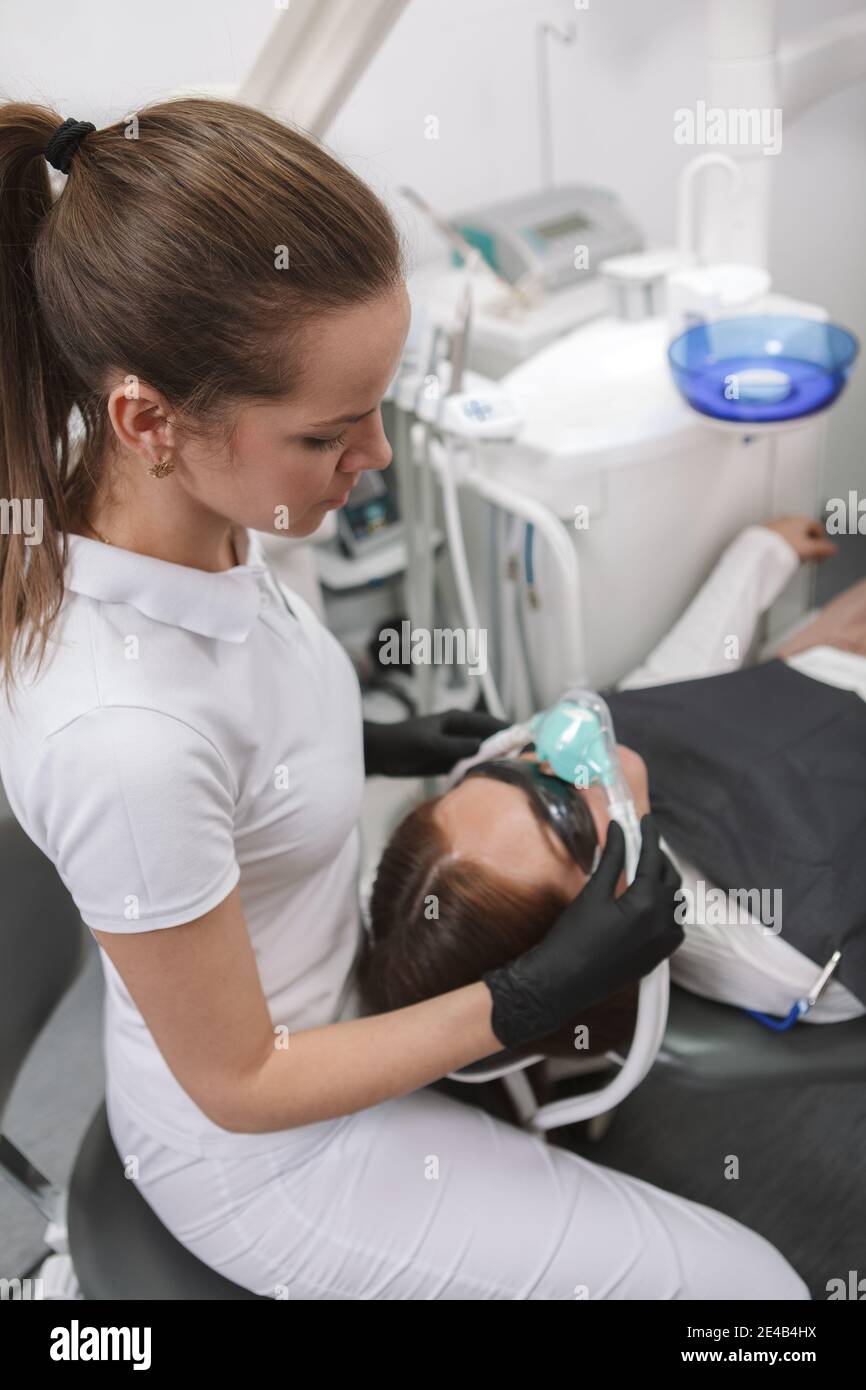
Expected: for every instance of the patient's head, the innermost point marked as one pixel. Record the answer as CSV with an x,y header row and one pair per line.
x,y
473,878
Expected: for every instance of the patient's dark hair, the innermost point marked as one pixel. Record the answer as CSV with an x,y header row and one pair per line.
x,y
437,922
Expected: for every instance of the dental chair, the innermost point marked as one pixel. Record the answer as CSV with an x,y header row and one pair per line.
x,y
706,1046
692,1040
103,1240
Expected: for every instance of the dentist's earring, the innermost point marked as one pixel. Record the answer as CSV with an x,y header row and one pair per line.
x,y
161,469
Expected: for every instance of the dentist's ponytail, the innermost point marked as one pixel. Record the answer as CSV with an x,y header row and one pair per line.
x,y
37,393
187,248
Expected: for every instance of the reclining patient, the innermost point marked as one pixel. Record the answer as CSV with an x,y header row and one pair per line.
x,y
758,779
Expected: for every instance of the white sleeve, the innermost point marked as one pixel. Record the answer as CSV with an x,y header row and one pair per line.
x,y
137,814
751,574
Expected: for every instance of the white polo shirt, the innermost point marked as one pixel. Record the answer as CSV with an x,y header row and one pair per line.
x,y
187,733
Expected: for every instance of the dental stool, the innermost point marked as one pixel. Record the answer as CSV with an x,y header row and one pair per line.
x,y
104,1241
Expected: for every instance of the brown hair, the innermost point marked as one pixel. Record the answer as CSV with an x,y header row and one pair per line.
x,y
158,262
437,922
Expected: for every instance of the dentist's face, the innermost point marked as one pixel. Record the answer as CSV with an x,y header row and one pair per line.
x,y
294,454
493,823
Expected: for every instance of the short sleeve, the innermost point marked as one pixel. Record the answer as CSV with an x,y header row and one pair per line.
x,y
137,814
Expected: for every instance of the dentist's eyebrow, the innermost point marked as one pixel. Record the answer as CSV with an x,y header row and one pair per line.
x,y
342,420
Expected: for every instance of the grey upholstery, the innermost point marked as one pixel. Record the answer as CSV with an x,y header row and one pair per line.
x,y
119,1247
713,1046
41,948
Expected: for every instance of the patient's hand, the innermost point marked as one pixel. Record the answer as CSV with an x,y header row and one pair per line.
x,y
805,535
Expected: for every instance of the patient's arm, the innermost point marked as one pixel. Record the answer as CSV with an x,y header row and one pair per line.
x,y
841,623
751,574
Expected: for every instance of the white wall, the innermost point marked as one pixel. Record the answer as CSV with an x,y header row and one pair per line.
x,y
471,63
614,93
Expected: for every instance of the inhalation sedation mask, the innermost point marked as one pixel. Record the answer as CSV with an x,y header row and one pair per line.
x,y
576,739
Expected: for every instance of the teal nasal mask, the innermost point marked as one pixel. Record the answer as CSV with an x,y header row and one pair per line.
x,y
576,738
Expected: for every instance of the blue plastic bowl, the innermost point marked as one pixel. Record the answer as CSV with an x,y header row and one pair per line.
x,y
763,367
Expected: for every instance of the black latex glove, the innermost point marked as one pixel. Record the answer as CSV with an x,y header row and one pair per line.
x,y
427,745
596,947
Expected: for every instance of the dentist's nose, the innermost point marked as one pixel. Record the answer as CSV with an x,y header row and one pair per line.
x,y
370,454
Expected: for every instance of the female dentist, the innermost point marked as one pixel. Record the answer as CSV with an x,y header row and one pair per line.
x,y
224,304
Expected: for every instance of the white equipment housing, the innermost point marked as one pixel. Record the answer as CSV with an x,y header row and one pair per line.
x,y
649,492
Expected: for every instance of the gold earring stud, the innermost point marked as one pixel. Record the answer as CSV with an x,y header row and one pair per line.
x,y
161,469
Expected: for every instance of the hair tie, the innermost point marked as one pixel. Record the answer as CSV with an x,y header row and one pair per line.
x,y
65,141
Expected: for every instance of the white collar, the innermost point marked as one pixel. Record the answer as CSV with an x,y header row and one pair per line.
x,y
223,605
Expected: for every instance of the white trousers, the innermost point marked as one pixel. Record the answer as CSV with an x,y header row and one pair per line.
x,y
425,1197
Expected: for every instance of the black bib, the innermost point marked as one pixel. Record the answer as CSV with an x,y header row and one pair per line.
x,y
758,777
